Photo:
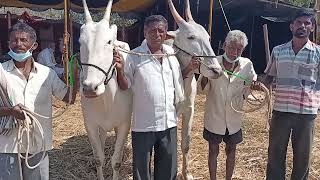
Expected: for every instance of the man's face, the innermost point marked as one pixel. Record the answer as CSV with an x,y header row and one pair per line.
x,y
155,33
21,42
302,27
233,49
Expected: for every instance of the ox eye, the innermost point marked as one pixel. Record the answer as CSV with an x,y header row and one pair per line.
x,y
109,42
191,37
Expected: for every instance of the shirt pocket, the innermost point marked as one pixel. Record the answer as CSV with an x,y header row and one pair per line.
x,y
307,74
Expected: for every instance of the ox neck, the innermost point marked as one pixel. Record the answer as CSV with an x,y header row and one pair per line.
x,y
183,59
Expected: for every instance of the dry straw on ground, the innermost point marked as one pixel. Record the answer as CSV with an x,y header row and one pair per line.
x,y
72,157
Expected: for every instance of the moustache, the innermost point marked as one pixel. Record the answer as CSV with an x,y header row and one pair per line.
x,y
302,29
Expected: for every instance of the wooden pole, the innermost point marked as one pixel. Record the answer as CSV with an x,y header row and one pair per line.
x,y
66,37
70,28
266,42
210,19
9,19
197,12
317,8
251,37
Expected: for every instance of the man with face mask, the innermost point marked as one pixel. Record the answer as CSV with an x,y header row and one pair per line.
x,y
28,85
295,67
221,122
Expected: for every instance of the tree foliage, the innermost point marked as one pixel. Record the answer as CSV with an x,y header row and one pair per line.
x,y
303,3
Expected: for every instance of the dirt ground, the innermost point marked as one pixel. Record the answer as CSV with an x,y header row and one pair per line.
x,y
72,159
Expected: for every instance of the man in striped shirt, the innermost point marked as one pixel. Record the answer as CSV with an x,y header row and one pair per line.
x,y
295,66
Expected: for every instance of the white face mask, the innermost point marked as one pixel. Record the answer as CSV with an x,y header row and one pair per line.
x,y
230,60
20,57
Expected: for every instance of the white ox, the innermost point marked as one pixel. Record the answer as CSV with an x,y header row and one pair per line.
x,y
191,39
105,107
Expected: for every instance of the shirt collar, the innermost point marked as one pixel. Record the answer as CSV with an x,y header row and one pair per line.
x,y
146,49
10,66
309,45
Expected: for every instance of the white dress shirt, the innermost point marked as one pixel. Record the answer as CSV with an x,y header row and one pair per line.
x,y
153,90
219,114
36,94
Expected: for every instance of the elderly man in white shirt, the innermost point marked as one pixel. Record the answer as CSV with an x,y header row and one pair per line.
x,y
157,84
32,87
46,58
221,122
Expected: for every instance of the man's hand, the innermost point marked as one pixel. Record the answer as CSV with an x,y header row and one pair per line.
x,y
17,112
117,59
194,63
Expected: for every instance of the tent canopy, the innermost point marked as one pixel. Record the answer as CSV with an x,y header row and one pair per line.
x,y
266,8
118,5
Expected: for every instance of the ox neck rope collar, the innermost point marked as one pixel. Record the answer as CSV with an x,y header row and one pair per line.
x,y
107,74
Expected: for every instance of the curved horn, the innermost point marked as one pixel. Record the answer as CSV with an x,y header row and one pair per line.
x,y
174,12
108,11
188,11
86,12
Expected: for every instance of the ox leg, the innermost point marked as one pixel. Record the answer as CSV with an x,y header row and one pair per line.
x,y
190,87
98,151
122,134
187,118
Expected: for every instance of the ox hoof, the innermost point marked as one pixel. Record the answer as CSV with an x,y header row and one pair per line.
x,y
186,176
117,166
189,177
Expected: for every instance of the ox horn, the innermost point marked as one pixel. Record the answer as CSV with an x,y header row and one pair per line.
x,y
188,11
86,12
174,12
108,11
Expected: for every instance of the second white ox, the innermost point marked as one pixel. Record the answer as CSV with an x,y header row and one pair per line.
x,y
189,40
105,107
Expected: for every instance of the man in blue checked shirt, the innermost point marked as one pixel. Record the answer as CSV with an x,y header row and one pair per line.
x,y
295,67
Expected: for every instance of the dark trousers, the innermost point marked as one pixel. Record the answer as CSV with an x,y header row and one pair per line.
x,y
301,129
9,167
165,154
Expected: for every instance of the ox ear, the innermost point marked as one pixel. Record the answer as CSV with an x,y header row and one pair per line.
x,y
171,35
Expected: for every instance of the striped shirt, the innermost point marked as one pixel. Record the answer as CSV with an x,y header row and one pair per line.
x,y
297,84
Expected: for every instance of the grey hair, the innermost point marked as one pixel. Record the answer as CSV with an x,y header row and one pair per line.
x,y
23,27
238,36
155,18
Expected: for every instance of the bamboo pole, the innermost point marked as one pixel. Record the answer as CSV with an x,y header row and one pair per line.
x,y
210,19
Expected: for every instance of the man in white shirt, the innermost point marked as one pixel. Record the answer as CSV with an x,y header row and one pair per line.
x,y
155,82
32,87
46,58
221,121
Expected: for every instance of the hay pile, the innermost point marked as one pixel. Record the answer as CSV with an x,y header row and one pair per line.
x,y
72,157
